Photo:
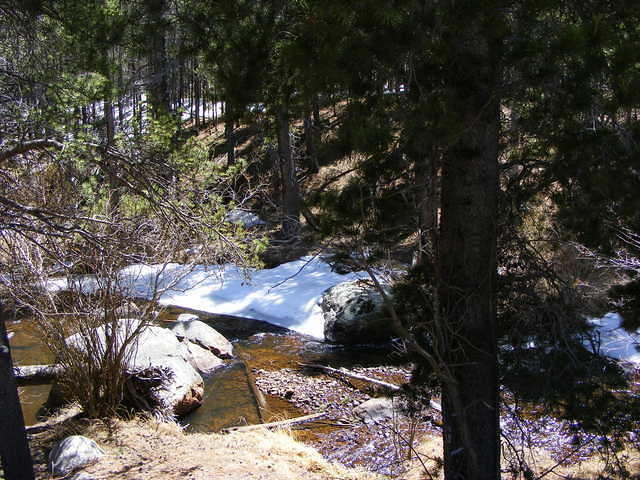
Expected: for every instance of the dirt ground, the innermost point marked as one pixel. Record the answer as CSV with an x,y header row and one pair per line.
x,y
143,449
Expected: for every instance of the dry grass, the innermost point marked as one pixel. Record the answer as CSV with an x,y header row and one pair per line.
x,y
142,449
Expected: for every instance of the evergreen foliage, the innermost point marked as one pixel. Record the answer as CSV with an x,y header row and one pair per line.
x,y
469,133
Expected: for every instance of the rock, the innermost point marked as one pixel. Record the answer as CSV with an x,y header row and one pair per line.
x,y
159,353
82,476
375,410
187,317
182,391
202,359
202,334
73,453
354,313
244,218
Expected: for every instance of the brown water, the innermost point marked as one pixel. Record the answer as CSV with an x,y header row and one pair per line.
x,y
228,398
26,349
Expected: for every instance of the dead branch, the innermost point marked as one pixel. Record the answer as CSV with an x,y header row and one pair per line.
x,y
342,371
261,402
36,374
281,423
379,383
25,147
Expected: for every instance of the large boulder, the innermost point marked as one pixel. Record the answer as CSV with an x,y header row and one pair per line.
x,y
354,313
73,453
157,353
202,334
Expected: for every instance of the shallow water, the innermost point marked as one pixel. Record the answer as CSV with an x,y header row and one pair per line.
x,y
228,398
27,349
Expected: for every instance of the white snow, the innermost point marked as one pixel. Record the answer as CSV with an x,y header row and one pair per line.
x,y
286,295
615,341
244,217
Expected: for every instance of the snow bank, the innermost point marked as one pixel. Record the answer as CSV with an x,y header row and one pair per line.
x,y
615,341
287,295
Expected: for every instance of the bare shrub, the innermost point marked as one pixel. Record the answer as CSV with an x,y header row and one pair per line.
x,y
73,271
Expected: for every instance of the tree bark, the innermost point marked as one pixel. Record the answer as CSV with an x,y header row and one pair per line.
x,y
158,83
115,194
291,191
229,135
311,142
14,447
28,146
467,270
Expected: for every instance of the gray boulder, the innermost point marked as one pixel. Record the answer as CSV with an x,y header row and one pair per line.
x,y
203,360
187,317
354,313
202,334
157,352
375,410
73,453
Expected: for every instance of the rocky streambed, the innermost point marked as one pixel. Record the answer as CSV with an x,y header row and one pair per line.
x,y
360,425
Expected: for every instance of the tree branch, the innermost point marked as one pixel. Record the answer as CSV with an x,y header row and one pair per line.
x,y
25,147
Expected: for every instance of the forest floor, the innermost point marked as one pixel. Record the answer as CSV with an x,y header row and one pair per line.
x,y
143,449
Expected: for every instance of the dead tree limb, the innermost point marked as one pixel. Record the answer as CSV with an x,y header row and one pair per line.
x,y
36,374
342,371
281,423
25,147
261,402
373,381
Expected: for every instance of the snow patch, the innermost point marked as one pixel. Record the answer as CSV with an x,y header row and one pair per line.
x,y
615,341
244,218
286,295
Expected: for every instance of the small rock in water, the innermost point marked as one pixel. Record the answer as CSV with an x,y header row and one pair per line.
x,y
202,334
375,410
73,453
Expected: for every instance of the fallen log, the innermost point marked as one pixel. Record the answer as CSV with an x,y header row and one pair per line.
x,y
392,387
280,423
70,415
342,371
36,374
261,402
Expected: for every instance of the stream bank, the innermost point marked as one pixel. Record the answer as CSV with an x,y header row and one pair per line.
x,y
270,356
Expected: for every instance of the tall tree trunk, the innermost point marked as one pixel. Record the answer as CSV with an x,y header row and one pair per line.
x,y
110,167
467,269
14,447
198,95
230,136
158,84
291,191
426,205
311,142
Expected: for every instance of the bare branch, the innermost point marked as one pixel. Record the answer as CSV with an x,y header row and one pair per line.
x,y
29,146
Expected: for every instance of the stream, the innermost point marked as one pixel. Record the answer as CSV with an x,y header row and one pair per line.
x,y
271,355
228,399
